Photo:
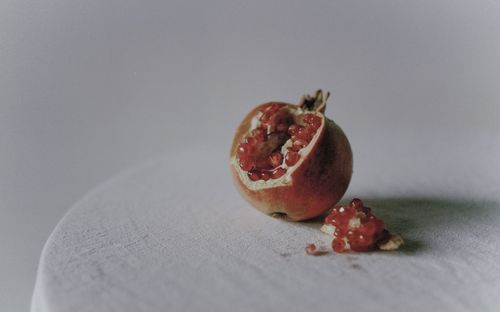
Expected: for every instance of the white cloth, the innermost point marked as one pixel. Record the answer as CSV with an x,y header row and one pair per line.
x,y
174,235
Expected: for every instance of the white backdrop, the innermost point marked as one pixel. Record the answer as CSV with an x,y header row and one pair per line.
x,y
88,88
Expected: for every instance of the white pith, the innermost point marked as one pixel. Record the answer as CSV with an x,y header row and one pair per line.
x,y
393,243
287,177
329,229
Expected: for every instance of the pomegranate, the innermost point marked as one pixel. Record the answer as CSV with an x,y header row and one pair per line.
x,y
355,227
290,160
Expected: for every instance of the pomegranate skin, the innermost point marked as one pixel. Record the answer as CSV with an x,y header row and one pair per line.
x,y
317,184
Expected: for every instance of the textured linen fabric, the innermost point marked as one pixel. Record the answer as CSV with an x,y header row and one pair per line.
x,y
174,235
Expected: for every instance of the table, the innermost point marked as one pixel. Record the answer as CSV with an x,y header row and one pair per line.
x,y
173,234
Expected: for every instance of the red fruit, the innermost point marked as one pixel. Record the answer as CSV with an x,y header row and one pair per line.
x,y
297,190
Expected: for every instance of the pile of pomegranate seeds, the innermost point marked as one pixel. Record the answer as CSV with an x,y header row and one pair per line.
x,y
354,227
260,153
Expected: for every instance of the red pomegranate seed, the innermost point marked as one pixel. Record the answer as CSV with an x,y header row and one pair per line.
x,y
264,175
338,245
263,164
368,228
254,176
311,249
351,235
275,159
304,134
346,213
278,173
246,164
292,158
331,218
356,203
245,149
364,240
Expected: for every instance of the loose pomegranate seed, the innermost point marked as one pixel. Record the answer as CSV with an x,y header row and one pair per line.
x,y
369,228
356,203
351,235
292,158
275,159
311,249
364,240
254,176
331,218
338,245
278,173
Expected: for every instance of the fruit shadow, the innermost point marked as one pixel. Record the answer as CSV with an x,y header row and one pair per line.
x,y
412,217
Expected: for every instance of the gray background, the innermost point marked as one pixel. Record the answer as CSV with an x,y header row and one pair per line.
x,y
88,88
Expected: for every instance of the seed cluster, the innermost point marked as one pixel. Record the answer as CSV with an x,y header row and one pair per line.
x,y
356,228
260,151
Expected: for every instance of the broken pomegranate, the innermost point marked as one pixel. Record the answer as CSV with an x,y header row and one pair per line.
x,y
290,160
355,227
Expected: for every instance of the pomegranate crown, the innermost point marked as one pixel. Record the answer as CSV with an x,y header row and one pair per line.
x,y
316,102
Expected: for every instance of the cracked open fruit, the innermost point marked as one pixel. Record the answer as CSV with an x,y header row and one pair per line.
x,y
290,160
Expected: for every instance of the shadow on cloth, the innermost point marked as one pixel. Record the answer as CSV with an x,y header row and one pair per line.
x,y
412,217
